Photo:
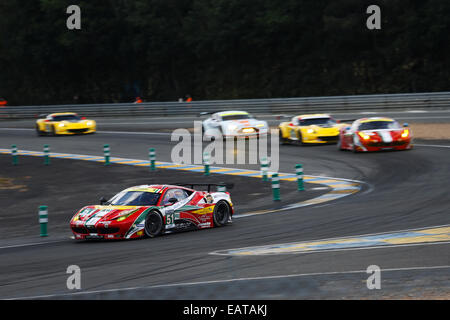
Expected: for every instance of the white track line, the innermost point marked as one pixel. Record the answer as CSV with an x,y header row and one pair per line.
x,y
431,145
230,280
31,244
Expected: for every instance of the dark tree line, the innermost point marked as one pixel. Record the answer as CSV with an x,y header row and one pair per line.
x,y
219,49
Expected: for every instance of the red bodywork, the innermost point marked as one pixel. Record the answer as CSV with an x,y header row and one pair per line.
x,y
103,221
376,140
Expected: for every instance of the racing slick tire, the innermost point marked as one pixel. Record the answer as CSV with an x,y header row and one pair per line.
x,y
354,149
154,224
299,138
221,213
39,132
282,139
339,144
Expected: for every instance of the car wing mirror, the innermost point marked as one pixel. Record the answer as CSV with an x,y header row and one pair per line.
x,y
103,200
171,201
405,125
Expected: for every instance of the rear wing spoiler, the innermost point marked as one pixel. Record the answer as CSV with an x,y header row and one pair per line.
x,y
209,185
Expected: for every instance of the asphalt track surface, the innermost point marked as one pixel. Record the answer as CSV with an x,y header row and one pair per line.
x,y
403,190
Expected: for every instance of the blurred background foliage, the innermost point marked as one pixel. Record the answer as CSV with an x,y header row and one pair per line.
x,y
162,50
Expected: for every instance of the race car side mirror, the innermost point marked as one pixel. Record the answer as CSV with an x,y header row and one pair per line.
x,y
406,124
103,201
172,201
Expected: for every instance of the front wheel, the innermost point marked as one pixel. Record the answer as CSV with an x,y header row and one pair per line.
x,y
299,138
154,224
339,144
39,132
282,139
221,213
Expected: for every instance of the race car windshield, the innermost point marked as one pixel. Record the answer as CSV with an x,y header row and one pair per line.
x,y
70,117
318,122
135,198
375,125
235,117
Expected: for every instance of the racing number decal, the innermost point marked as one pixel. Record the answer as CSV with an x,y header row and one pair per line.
x,y
170,217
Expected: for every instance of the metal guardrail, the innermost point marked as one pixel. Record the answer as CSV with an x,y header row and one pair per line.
x,y
440,100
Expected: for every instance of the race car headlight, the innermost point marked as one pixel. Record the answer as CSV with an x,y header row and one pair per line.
x,y
61,125
248,130
259,125
311,131
90,123
124,215
405,133
364,136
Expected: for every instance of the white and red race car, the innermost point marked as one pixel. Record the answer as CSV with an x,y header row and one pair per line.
x,y
233,124
375,134
151,210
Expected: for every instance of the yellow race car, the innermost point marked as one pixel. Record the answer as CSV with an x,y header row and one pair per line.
x,y
66,123
310,128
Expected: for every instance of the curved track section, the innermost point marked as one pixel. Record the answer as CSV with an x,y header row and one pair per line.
x,y
403,191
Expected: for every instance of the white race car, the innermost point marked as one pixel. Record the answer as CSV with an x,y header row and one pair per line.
x,y
233,124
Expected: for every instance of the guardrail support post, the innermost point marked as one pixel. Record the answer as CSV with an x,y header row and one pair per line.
x,y
46,155
106,153
206,162
43,220
152,157
276,187
14,155
299,173
264,169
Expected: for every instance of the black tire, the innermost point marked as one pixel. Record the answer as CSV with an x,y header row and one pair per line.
x,y
339,144
282,139
203,133
354,149
221,213
299,138
154,224
39,132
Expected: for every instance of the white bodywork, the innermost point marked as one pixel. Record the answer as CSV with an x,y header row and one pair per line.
x,y
234,124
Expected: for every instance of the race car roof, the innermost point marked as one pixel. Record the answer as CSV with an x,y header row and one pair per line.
x,y
153,188
376,119
314,116
62,114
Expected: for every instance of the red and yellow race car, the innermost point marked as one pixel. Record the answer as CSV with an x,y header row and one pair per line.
x,y
375,134
152,210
